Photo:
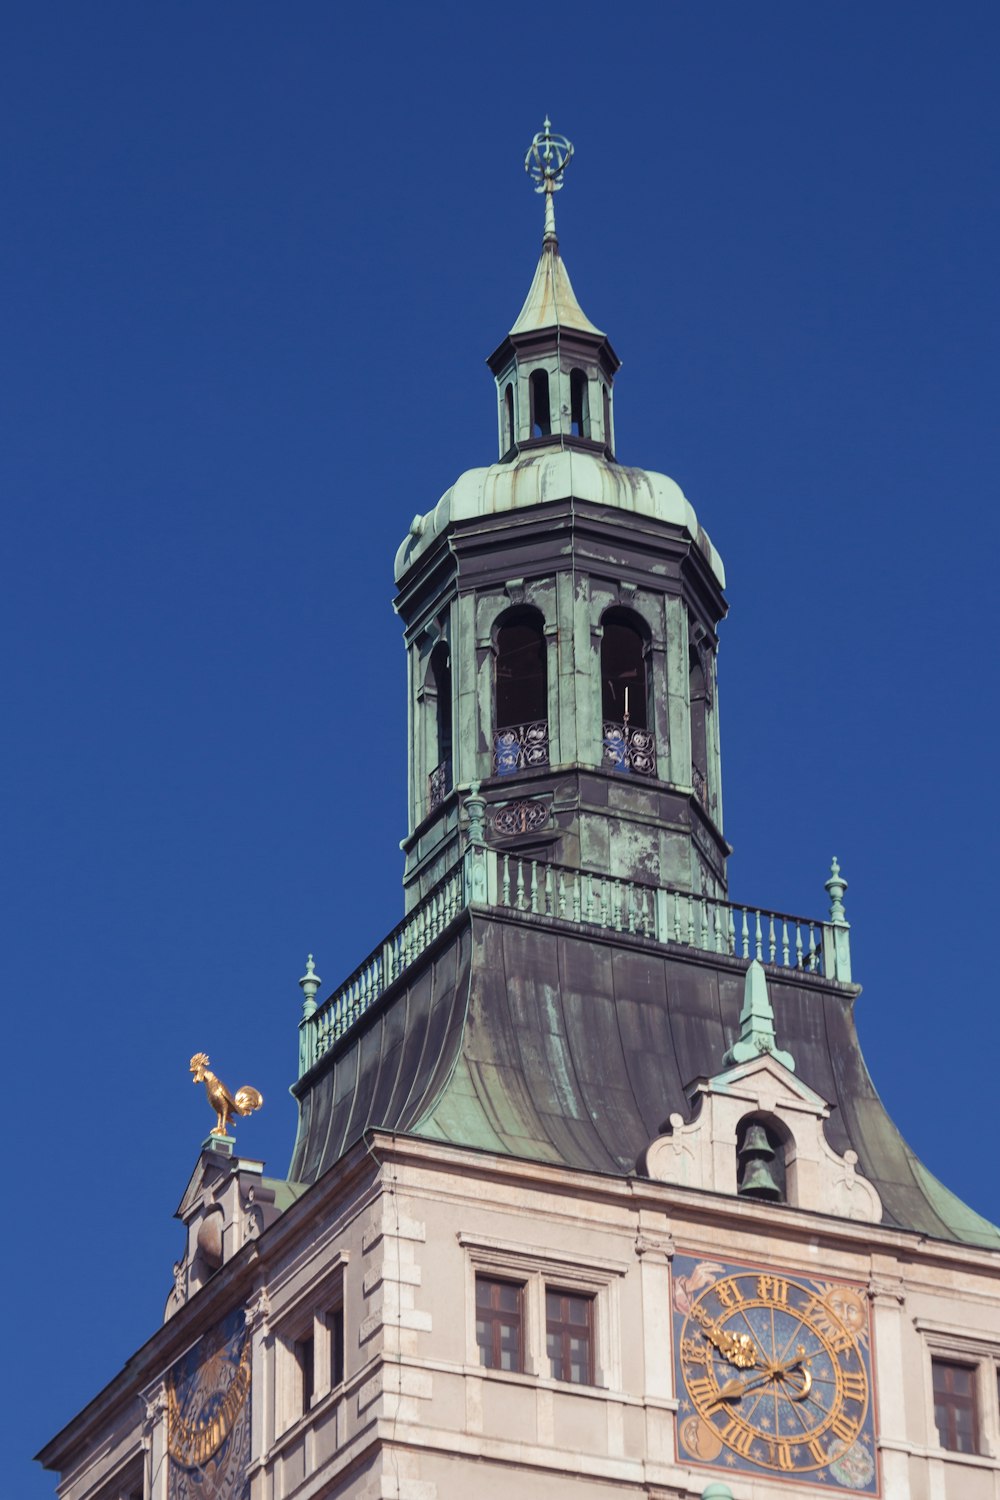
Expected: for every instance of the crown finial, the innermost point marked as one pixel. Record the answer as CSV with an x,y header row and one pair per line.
x,y
546,161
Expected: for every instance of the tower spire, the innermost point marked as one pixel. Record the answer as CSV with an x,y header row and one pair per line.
x,y
546,161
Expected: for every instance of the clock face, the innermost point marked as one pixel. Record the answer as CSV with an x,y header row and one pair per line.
x,y
208,1416
773,1374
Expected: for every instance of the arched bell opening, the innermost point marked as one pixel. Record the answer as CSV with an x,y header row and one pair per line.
x,y
541,417
509,429
520,692
626,710
579,401
698,703
439,682
762,1143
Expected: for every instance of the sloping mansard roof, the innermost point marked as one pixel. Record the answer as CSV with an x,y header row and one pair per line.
x,y
525,1037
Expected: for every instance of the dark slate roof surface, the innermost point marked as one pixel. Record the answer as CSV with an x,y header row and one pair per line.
x,y
536,1039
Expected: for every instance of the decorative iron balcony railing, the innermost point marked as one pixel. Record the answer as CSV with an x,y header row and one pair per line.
x,y
627,748
519,747
531,889
439,784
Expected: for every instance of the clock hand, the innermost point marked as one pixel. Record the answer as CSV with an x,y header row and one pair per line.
x,y
734,1389
738,1348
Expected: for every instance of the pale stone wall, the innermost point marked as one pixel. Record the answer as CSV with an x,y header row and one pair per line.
x,y
399,1241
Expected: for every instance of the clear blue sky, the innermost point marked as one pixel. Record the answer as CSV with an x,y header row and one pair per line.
x,y
253,257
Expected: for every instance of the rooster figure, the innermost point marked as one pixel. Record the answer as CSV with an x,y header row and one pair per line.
x,y
225,1104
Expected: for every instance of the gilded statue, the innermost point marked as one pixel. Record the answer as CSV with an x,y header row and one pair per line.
x,y
225,1104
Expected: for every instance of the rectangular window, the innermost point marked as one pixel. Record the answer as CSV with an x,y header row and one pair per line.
x,y
499,1323
569,1334
955,1410
304,1351
335,1329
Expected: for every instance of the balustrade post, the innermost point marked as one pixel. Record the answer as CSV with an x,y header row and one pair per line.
x,y
837,932
309,985
476,874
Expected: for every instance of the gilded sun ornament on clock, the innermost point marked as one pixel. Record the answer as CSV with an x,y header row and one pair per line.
x,y
774,1374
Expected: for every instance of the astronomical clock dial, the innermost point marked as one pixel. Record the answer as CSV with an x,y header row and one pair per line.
x,y
774,1374
208,1416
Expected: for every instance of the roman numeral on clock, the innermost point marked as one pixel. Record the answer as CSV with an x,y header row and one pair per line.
x,y
703,1390
740,1439
855,1387
845,1429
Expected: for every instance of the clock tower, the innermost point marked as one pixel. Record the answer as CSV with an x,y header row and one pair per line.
x,y
591,1192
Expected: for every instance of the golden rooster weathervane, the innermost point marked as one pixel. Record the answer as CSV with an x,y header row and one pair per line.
x,y
225,1104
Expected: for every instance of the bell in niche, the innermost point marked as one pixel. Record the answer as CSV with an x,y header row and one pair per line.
x,y
761,1169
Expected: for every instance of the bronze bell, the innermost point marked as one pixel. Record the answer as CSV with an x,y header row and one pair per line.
x,y
759,1180
761,1165
755,1140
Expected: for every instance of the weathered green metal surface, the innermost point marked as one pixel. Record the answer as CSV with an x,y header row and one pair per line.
x,y
536,1040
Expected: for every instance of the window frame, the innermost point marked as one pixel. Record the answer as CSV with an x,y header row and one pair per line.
x,y
956,1402
949,1343
497,1319
304,1328
563,1326
539,1272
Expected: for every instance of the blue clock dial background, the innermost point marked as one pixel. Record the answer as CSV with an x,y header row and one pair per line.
x,y
814,1428
205,1384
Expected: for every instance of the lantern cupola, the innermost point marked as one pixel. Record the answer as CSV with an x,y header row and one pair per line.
x,y
555,369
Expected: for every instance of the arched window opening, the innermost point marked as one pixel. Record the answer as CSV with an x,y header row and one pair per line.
x,y
508,416
440,675
579,398
521,727
628,742
698,700
541,421
607,415
760,1160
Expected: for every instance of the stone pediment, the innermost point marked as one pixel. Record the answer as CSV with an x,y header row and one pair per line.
x,y
703,1152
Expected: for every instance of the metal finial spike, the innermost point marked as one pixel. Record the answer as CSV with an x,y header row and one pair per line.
x,y
546,161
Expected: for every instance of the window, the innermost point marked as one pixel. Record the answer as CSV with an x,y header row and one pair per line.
x,y
569,1337
623,671
538,386
628,743
508,412
579,398
698,699
309,1347
607,416
439,781
955,1406
533,1315
335,1333
305,1350
499,1323
521,735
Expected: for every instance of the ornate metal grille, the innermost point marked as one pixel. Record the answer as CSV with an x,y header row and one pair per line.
x,y
700,786
440,783
520,817
519,747
629,749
